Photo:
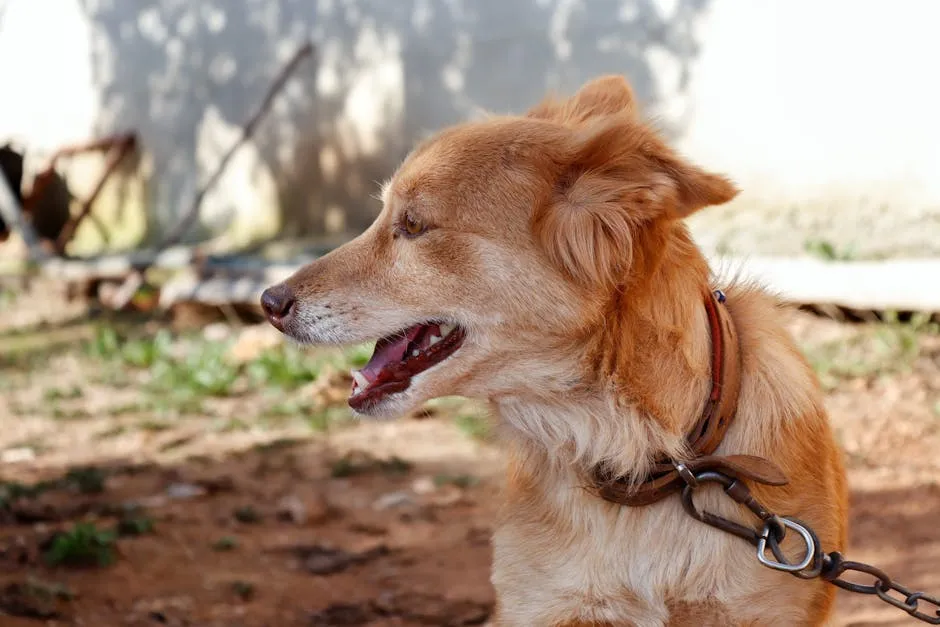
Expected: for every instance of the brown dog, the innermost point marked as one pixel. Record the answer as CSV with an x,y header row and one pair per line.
x,y
540,262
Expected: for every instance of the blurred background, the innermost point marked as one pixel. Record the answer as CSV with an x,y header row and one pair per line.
x,y
166,459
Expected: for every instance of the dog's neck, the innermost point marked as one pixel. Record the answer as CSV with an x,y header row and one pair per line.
x,y
646,365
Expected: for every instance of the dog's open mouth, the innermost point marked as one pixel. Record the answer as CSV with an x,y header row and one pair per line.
x,y
399,357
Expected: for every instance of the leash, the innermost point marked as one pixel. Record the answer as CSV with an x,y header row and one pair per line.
x,y
729,471
814,563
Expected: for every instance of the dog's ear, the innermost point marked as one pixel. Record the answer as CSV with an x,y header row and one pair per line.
x,y
602,96
617,176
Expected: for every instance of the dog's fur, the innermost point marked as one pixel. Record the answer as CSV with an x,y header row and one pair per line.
x,y
555,239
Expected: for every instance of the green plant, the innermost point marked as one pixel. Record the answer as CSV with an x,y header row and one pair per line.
x,y
284,367
201,371
247,515
826,250
14,490
225,543
105,343
60,413
56,394
882,348
134,526
82,546
88,480
356,464
145,352
244,590
322,420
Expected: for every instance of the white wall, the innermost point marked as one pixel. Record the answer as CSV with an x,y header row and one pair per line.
x,y
829,106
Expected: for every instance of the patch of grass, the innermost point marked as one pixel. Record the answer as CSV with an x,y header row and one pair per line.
x,y
137,407
234,425
225,543
111,432
105,343
135,526
244,590
284,367
34,598
154,425
879,349
50,589
356,464
60,394
827,251
145,352
323,419
247,515
13,491
202,371
278,444
174,374
88,480
7,297
179,372
84,545
287,409
461,481
62,413
176,443
175,404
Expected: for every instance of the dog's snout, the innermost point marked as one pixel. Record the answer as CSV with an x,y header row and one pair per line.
x,y
278,304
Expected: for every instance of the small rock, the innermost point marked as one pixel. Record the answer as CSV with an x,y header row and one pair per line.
x,y
342,614
153,502
253,341
319,509
20,454
393,500
423,485
292,509
184,491
449,495
216,332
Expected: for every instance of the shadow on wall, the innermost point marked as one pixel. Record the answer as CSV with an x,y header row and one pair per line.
x,y
385,74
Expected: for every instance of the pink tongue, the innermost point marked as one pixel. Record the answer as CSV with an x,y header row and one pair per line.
x,y
389,352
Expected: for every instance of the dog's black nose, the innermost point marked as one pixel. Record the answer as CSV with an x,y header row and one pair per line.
x,y
278,304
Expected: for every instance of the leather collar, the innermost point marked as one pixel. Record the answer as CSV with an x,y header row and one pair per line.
x,y
667,475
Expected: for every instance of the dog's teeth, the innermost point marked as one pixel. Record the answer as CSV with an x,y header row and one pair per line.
x,y
414,353
446,329
434,340
359,380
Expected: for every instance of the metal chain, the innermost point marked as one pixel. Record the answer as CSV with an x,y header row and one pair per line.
x,y
814,563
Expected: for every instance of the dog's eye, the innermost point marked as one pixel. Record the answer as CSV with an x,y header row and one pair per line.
x,y
411,227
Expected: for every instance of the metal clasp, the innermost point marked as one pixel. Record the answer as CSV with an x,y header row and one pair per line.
x,y
780,563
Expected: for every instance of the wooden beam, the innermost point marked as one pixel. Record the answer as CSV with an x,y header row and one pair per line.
x,y
891,285
888,285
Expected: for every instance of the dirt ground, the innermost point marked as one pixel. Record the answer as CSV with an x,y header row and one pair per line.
x,y
254,500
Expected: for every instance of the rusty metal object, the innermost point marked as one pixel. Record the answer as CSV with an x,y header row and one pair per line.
x,y
118,148
11,169
47,204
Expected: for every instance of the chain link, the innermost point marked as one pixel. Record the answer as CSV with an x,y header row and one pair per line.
x,y
814,562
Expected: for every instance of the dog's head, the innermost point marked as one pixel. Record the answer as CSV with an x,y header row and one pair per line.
x,y
498,244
